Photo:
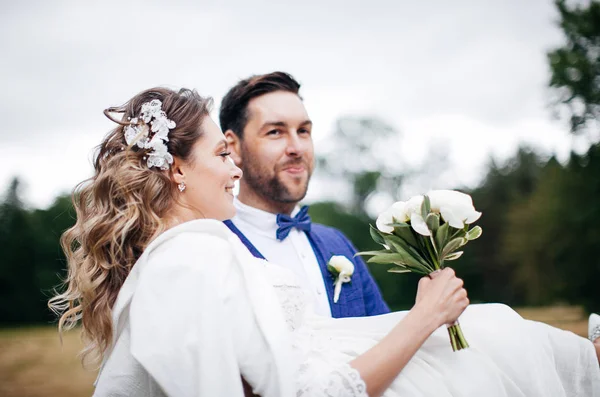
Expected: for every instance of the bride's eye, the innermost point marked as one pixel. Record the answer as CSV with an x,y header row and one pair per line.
x,y
225,155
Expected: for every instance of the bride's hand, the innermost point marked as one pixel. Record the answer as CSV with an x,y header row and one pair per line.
x,y
443,296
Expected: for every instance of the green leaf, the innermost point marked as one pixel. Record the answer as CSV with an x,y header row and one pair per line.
x,y
363,253
407,235
425,207
418,270
398,270
397,244
433,222
435,250
376,235
474,233
456,233
398,224
390,257
410,256
452,246
453,256
333,270
399,260
386,258
441,235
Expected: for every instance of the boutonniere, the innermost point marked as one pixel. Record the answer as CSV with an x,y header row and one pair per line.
x,y
342,269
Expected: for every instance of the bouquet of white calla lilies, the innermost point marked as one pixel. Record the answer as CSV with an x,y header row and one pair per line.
x,y
342,269
455,208
421,234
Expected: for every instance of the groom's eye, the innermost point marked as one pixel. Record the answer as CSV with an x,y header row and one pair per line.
x,y
274,132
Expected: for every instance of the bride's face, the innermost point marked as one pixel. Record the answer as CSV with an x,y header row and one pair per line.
x,y
209,175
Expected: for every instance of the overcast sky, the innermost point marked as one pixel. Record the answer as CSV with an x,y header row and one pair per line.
x,y
469,75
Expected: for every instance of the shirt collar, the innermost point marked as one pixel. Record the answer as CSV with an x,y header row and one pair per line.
x,y
261,221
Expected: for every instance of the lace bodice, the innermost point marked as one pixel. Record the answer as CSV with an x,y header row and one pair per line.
x,y
320,373
294,300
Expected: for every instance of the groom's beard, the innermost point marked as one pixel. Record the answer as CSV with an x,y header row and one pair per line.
x,y
267,183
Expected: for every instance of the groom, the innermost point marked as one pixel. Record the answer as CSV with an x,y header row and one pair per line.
x,y
269,135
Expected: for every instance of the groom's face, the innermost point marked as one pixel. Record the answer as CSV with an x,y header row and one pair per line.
x,y
276,150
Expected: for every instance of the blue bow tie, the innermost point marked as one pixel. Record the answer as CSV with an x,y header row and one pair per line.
x,y
286,223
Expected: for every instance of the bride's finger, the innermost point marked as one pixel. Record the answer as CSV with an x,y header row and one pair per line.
x,y
453,285
424,282
462,293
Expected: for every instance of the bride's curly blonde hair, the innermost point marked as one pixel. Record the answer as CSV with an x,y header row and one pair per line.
x,y
119,211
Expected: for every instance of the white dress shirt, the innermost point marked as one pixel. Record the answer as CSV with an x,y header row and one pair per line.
x,y
294,252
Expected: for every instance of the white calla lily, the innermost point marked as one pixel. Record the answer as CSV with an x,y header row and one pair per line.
x,y
342,264
455,207
344,268
425,250
398,211
419,225
413,210
383,221
413,205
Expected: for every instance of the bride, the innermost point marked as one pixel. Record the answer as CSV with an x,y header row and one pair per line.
x,y
172,303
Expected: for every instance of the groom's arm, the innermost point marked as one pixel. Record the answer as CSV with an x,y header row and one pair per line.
x,y
374,303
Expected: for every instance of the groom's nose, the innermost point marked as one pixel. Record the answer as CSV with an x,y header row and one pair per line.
x,y
296,146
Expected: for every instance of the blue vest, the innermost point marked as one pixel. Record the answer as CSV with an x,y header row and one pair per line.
x,y
361,296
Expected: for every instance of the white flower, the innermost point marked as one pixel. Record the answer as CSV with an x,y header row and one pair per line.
x,y
161,126
136,135
161,162
130,134
396,213
160,156
413,205
343,269
455,207
342,264
399,213
419,225
383,220
157,144
413,210
150,110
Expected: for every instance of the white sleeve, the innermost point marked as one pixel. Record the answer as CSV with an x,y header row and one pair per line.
x,y
192,325
319,378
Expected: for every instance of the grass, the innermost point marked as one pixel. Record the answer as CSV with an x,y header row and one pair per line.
x,y
571,318
33,363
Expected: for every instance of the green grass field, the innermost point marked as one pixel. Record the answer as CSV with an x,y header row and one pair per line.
x,y
33,363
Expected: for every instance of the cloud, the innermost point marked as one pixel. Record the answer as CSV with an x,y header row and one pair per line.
x,y
413,63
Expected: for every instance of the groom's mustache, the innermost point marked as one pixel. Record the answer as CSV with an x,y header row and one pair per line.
x,y
294,163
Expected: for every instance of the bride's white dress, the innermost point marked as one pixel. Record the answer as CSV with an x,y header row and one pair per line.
x,y
509,356
198,310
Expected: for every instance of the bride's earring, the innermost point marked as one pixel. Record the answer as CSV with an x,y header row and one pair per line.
x,y
181,187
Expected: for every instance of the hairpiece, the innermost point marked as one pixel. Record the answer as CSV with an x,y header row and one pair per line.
x,y
150,130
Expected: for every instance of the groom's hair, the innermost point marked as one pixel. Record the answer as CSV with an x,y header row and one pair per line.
x,y
234,107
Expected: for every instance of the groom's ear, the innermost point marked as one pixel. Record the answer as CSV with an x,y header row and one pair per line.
x,y
234,146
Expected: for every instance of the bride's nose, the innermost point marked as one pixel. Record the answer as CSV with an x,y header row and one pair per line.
x,y
236,172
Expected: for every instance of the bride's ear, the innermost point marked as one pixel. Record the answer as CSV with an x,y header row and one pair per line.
x,y
177,171
234,146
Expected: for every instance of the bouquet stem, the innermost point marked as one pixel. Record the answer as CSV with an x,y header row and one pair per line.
x,y
457,338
